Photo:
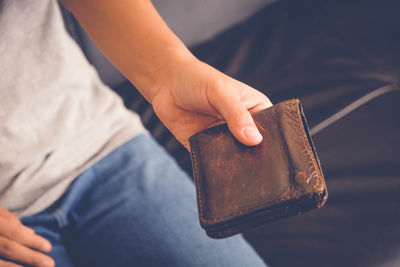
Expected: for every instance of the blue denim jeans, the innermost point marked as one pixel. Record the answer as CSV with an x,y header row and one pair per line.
x,y
135,207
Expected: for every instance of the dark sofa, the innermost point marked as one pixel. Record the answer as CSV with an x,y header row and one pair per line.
x,y
328,54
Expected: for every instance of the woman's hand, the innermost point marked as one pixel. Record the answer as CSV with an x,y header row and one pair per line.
x,y
196,96
20,244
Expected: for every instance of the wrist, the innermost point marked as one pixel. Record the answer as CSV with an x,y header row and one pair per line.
x,y
165,71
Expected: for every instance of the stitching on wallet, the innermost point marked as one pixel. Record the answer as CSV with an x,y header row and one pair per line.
x,y
196,174
312,170
293,107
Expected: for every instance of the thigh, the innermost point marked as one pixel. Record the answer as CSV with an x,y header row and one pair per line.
x,y
142,212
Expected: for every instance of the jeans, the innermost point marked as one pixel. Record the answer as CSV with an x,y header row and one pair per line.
x,y
135,207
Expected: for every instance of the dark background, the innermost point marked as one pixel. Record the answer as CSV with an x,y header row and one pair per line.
x,y
327,54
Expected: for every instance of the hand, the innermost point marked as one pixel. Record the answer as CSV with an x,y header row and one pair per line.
x,y
20,243
196,96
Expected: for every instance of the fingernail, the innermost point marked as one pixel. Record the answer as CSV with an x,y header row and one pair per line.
x,y
253,134
47,263
46,246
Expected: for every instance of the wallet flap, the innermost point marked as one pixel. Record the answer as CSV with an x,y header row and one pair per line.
x,y
303,162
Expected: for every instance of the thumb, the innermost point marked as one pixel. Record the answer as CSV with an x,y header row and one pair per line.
x,y
239,119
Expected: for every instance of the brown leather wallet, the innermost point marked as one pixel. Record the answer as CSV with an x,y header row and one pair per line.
x,y
240,187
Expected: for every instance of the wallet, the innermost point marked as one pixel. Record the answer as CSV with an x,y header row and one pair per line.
x,y
240,187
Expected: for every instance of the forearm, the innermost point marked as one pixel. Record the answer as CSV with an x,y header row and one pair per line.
x,y
134,37
188,96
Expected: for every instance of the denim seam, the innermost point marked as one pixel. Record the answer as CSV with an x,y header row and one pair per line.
x,y
60,218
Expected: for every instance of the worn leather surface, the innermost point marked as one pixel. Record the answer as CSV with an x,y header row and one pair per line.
x,y
235,182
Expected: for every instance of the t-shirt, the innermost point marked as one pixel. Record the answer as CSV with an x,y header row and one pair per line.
x,y
56,116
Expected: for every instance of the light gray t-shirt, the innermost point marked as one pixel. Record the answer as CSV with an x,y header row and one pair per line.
x,y
56,116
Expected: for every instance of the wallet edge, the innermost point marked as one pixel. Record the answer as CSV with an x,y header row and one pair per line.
x,y
206,223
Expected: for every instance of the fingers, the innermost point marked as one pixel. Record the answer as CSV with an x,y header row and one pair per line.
x,y
239,120
8,264
24,235
263,102
243,127
19,243
7,215
17,252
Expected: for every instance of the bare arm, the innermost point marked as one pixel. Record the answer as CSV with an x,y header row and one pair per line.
x,y
187,95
